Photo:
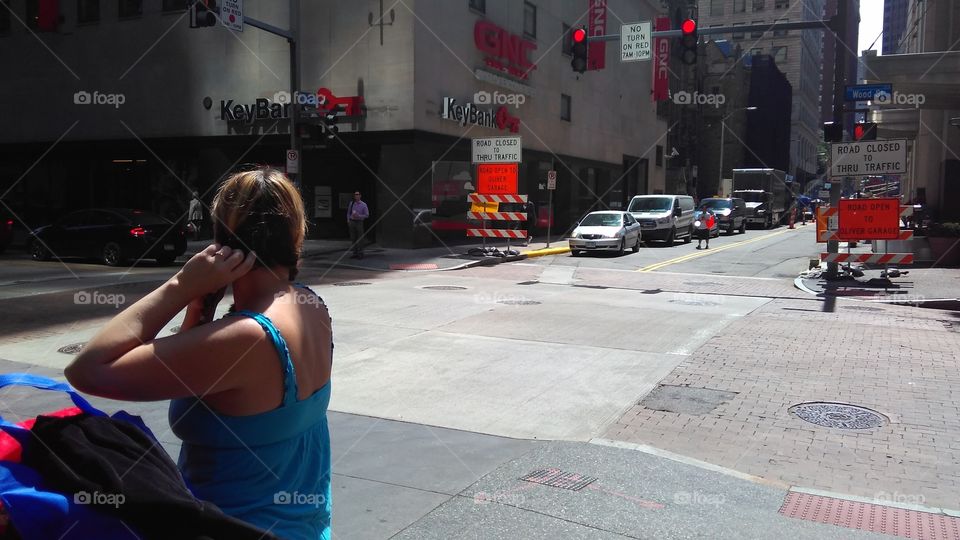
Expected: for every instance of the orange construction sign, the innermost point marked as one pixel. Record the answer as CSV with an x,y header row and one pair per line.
x,y
869,219
497,178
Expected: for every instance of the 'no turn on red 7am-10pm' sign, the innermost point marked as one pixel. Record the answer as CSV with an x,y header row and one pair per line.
x,y
869,219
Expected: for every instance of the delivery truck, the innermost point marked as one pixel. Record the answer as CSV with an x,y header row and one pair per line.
x,y
766,194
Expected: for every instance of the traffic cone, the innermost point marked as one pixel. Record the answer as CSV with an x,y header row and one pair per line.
x,y
793,217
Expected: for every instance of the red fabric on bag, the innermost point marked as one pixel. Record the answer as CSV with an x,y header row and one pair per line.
x,y
710,221
10,448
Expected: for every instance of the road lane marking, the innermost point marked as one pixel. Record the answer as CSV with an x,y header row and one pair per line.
x,y
704,253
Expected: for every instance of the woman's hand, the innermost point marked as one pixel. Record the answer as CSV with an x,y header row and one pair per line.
x,y
211,270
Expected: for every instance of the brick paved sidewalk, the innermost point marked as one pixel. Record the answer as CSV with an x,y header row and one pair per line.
x,y
900,361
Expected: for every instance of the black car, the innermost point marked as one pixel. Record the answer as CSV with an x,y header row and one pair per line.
x,y
113,235
731,213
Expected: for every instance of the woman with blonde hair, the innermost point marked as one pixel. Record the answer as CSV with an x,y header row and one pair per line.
x,y
249,392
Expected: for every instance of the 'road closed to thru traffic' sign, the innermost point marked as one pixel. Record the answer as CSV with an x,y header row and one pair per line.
x,y
497,150
869,158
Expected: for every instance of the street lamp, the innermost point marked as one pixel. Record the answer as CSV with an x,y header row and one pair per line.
x,y
723,132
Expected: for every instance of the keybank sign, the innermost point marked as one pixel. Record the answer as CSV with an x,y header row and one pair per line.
x,y
260,110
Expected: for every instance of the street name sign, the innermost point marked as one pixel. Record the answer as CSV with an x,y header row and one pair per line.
x,y
497,150
869,219
635,42
866,92
868,158
231,14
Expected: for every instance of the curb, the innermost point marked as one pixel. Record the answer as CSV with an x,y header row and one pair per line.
x,y
949,304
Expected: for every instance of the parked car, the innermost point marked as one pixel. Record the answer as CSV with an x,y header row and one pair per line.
x,y
6,231
731,213
607,230
664,217
113,235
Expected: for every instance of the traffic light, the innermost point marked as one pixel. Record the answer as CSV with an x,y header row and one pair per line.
x,y
579,49
832,132
205,13
865,131
688,42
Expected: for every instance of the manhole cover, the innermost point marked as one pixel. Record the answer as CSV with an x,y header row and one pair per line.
x,y
560,479
445,288
519,302
175,329
862,308
685,399
703,283
350,283
838,415
73,348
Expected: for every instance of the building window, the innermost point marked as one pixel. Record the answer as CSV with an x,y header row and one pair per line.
x,y
567,47
565,107
759,5
756,33
479,5
659,158
88,11
175,5
779,54
739,6
716,7
529,20
4,16
738,35
782,4
780,33
130,8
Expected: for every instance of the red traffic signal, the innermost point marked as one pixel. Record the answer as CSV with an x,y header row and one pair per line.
x,y
579,35
865,131
578,49
688,27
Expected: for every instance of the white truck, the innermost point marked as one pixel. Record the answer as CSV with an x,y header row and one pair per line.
x,y
765,193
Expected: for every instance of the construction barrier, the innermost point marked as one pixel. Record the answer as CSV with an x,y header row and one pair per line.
x,y
873,258
498,216
497,233
477,198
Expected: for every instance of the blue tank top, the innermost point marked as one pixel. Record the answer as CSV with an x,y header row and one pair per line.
x,y
270,469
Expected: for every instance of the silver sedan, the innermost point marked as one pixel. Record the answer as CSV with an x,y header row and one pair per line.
x,y
607,230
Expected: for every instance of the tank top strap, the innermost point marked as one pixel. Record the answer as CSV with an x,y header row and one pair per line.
x,y
289,373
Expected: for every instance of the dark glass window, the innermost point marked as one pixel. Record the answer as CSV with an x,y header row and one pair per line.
x,y
88,11
565,107
529,20
131,8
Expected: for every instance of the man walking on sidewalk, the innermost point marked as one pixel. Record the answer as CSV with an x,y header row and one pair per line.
x,y
357,212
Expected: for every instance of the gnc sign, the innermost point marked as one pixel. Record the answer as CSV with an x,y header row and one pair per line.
x,y
505,51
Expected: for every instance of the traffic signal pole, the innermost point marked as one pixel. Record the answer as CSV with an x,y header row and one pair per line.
x,y
806,25
839,78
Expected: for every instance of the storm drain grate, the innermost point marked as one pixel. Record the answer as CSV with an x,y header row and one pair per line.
x,y
871,517
559,479
350,283
861,308
72,348
444,288
838,415
519,302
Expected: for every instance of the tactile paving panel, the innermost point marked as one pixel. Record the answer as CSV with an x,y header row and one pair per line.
x,y
871,517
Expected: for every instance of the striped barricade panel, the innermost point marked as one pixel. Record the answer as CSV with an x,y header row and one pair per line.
x,y
477,198
498,216
497,233
873,258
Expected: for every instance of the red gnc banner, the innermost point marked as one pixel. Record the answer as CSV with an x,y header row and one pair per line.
x,y
661,62
597,53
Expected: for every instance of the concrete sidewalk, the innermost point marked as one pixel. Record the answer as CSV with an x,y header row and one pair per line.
x,y
401,480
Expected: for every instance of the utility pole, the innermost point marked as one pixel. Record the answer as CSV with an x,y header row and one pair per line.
x,y
839,26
